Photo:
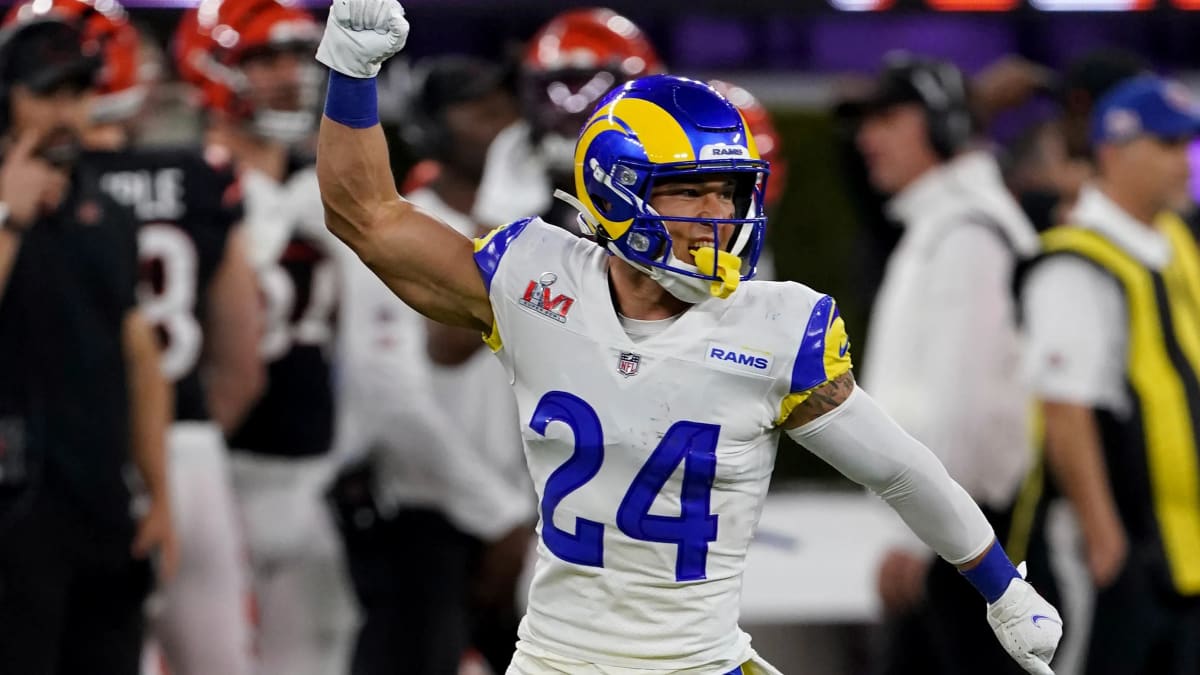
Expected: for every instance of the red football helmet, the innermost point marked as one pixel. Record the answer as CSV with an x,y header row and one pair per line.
x,y
120,88
770,145
569,65
213,44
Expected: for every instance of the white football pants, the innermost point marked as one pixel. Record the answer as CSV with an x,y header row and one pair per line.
x,y
530,660
307,613
201,618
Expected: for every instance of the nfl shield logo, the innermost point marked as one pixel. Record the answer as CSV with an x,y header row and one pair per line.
x,y
628,364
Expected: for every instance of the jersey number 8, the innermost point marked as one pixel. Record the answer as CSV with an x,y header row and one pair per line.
x,y
167,295
692,443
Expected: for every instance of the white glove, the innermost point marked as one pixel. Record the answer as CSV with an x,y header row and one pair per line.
x,y
1027,626
361,34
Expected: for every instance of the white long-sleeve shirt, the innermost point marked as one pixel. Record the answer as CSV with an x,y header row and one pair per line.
x,y
944,358
477,394
388,407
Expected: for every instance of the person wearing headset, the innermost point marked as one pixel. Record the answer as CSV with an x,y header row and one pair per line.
x,y
81,392
943,354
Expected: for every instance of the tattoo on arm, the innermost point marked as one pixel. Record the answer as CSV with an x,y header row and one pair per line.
x,y
823,399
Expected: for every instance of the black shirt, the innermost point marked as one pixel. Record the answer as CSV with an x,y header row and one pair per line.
x,y
62,365
185,206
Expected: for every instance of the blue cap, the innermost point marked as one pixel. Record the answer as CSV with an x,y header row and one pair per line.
x,y
1145,105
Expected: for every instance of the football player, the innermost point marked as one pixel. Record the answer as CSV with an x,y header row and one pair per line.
x,y
199,291
251,61
652,377
83,396
568,65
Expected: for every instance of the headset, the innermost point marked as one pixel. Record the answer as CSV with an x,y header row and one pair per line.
x,y
7,37
942,89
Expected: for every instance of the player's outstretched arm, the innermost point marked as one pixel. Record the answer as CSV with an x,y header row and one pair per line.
x,y
840,423
425,262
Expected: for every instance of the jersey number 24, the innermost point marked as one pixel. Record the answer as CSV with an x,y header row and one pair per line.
x,y
692,443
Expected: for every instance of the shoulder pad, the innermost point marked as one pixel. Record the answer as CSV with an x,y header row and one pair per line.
x,y
824,351
490,248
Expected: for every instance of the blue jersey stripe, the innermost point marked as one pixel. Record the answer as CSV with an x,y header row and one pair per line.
x,y
809,369
488,255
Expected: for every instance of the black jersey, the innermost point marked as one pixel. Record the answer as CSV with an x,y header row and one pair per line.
x,y
185,206
64,398
295,415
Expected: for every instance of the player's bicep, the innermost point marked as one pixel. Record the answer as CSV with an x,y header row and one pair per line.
x,y
425,262
821,400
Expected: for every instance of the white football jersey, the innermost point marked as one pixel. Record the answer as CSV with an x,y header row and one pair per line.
x,y
651,459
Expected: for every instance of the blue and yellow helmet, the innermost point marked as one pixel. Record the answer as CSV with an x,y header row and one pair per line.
x,y
657,128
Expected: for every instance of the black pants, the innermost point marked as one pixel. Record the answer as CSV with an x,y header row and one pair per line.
x,y
494,634
1139,628
412,577
70,594
949,633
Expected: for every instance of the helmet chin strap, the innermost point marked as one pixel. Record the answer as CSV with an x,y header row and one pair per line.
x,y
587,223
685,288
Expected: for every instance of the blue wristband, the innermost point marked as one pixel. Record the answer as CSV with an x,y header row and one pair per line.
x,y
351,101
993,574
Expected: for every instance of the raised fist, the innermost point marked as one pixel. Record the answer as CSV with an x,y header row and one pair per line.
x,y
361,34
